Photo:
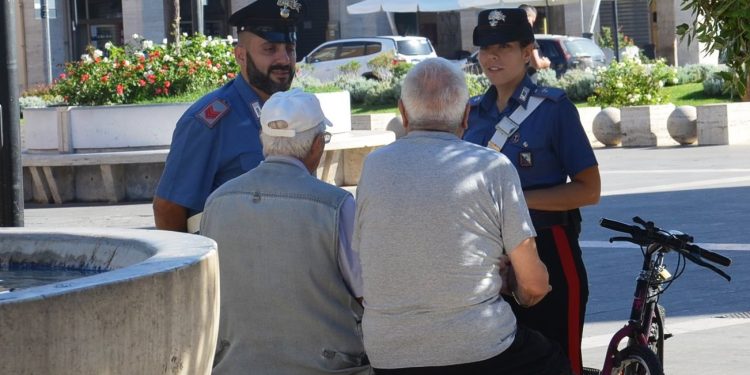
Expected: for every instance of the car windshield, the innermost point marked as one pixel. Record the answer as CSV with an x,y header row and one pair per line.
x,y
413,47
583,47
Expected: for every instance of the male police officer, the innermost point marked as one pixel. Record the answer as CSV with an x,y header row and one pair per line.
x,y
217,137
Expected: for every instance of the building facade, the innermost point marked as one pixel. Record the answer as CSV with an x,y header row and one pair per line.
x,y
74,25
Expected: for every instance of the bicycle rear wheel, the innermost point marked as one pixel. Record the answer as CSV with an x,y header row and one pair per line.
x,y
637,360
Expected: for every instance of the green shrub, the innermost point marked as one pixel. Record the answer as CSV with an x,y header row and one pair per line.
x,y
604,39
382,65
715,86
547,78
578,84
693,73
358,87
401,68
477,84
350,69
666,73
629,83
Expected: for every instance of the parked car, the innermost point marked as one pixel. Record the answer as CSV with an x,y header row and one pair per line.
x,y
326,59
564,52
570,52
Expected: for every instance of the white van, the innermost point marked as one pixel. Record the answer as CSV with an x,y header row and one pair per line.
x,y
326,59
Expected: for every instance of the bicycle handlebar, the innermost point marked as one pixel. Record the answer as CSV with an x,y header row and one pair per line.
x,y
649,233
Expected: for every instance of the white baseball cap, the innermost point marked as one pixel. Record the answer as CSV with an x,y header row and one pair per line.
x,y
287,113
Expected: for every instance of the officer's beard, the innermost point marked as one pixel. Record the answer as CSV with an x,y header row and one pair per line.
x,y
263,82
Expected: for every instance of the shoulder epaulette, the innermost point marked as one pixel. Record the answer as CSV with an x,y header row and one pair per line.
x,y
550,93
213,112
475,100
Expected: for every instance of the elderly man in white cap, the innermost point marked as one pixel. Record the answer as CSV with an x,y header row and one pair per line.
x,y
289,280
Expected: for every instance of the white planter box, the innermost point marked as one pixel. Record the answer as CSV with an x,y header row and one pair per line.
x,y
86,129
646,126
724,124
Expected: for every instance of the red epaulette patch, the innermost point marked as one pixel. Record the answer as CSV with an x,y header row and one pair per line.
x,y
213,113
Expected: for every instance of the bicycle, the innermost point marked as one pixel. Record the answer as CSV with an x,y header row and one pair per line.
x,y
643,354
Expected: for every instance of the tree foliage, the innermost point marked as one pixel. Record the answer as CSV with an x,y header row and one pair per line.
x,y
723,26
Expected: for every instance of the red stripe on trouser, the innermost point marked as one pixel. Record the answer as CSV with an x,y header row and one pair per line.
x,y
574,296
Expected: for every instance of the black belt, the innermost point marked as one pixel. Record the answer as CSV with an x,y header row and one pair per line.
x,y
546,219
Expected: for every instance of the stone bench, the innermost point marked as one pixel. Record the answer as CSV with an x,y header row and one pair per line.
x,y
341,164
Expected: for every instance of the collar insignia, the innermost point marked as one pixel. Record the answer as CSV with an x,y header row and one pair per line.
x,y
285,5
524,94
495,17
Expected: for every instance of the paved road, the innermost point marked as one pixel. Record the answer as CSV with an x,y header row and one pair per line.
x,y
704,191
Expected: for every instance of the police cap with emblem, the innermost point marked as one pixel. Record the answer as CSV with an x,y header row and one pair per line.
x,y
272,20
495,26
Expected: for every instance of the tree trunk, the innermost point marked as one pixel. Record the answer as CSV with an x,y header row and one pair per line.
x,y
176,24
746,97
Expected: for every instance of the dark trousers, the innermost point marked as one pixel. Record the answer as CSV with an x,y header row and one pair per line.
x,y
530,354
559,316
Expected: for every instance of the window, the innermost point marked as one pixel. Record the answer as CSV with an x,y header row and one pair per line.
x,y
372,47
414,47
349,50
583,47
325,54
96,22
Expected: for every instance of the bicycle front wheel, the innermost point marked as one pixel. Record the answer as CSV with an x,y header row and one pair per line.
x,y
637,360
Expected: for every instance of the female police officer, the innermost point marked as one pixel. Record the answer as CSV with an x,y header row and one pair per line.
x,y
539,130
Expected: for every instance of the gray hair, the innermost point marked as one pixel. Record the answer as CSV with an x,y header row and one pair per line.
x,y
298,146
434,94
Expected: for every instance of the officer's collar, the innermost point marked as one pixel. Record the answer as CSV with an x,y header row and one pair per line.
x,y
247,93
524,90
521,95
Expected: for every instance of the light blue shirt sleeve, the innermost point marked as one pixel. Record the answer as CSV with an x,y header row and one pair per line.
x,y
349,264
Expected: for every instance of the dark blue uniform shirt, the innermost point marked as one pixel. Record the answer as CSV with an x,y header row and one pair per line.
x,y
215,140
551,140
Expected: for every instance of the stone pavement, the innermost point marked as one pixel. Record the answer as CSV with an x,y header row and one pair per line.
x,y
704,191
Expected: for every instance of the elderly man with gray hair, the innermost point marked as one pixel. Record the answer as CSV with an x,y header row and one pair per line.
x,y
439,220
289,280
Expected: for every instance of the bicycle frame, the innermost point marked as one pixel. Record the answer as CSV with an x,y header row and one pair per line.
x,y
643,309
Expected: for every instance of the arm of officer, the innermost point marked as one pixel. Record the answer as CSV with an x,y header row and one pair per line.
x,y
527,275
584,189
539,62
169,215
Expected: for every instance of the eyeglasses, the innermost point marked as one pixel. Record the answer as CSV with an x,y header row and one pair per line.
x,y
327,137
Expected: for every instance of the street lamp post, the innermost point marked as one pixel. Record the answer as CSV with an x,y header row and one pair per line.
x,y
11,172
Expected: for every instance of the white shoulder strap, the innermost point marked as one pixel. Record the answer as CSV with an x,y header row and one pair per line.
x,y
509,124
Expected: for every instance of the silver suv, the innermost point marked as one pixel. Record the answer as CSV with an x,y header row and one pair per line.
x,y
326,59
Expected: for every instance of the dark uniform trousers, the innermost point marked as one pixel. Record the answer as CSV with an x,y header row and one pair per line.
x,y
559,316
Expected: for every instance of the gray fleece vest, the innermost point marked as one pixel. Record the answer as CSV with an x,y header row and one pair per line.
x,y
285,308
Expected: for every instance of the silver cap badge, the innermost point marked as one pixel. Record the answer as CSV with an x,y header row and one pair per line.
x,y
286,4
495,17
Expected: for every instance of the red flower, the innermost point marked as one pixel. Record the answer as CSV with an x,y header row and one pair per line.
x,y
142,83
167,84
230,75
105,78
120,89
151,78
63,76
85,77
158,91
